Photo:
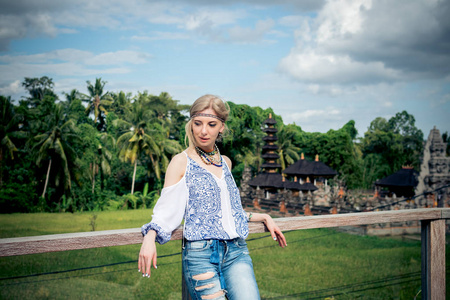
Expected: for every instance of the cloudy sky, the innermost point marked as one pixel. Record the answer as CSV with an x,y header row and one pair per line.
x,y
316,63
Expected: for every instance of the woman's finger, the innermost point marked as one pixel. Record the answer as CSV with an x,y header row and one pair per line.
x,y
154,261
148,266
282,240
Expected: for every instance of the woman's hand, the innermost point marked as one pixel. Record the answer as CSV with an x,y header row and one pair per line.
x,y
147,255
273,228
275,231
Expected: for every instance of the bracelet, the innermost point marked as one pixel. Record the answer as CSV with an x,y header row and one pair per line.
x,y
250,216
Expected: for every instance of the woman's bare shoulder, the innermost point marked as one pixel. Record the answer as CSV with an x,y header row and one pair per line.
x,y
175,170
228,161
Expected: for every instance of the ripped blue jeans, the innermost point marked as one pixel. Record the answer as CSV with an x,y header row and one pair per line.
x,y
215,268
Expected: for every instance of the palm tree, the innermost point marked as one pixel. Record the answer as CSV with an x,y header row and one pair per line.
x,y
135,141
74,94
167,148
287,151
120,103
103,158
98,102
9,129
54,146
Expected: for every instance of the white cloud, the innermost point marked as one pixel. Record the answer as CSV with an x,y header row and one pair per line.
x,y
13,88
309,65
315,119
70,62
13,27
118,58
159,35
80,57
367,42
251,35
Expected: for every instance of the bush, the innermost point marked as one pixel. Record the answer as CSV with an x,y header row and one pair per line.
x,y
15,197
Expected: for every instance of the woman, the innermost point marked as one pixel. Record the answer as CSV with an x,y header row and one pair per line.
x,y
199,187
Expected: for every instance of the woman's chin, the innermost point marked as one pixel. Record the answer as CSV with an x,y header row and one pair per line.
x,y
205,145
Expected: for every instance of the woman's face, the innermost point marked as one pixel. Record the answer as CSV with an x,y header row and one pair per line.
x,y
206,130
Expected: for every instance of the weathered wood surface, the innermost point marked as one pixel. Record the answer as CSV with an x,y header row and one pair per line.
x,y
433,259
108,238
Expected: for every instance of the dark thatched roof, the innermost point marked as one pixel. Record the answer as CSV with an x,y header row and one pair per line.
x,y
308,186
269,147
270,121
270,156
267,180
292,185
304,167
406,177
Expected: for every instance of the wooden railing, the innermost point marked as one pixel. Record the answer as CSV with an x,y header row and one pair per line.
x,y
433,238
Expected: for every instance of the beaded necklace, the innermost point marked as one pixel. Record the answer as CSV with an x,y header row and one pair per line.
x,y
209,158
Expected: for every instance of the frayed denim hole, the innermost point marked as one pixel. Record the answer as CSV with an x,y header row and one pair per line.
x,y
204,276
218,294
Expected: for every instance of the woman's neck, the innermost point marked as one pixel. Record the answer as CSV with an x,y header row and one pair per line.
x,y
207,150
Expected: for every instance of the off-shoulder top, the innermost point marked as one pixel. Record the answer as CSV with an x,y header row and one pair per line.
x,y
211,207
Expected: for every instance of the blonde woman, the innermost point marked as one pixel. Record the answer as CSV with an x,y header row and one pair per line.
x,y
200,189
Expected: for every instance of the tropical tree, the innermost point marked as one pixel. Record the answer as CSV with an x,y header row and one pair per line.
x,y
54,147
288,152
135,142
103,158
168,112
38,89
73,95
167,148
120,102
9,129
397,141
98,102
244,140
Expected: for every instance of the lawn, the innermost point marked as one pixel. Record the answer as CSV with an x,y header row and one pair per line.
x,y
317,264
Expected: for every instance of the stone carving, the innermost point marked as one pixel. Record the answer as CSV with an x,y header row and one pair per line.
x,y
434,172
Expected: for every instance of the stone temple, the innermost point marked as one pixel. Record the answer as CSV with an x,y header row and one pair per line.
x,y
434,178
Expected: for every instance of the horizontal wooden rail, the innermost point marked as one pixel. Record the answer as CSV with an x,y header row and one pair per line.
x,y
120,237
433,238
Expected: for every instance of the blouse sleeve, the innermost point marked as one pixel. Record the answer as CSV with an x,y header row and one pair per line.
x,y
168,212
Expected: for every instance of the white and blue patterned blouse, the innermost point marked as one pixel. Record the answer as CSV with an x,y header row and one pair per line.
x,y
211,207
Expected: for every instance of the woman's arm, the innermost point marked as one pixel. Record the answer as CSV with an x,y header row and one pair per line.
x,y
275,231
148,254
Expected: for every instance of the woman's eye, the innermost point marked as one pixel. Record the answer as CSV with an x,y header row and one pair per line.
x,y
212,125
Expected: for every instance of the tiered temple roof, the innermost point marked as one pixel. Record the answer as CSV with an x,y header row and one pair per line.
x,y
312,169
269,178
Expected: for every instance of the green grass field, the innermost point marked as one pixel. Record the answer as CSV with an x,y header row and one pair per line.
x,y
317,264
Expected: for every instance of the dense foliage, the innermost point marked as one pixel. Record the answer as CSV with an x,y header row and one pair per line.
x,y
112,152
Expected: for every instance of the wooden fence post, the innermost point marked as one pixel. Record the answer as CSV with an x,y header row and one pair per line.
x,y
433,259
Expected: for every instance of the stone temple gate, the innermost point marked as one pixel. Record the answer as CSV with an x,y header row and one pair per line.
x,y
434,179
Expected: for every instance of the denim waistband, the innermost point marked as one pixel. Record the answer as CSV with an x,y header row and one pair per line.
x,y
211,241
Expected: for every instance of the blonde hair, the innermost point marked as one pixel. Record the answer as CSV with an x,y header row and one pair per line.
x,y
219,106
